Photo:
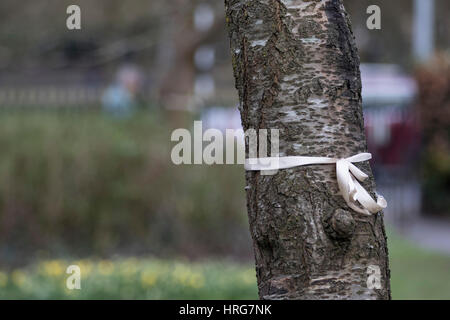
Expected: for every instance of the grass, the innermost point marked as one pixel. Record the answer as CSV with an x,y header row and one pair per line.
x,y
415,274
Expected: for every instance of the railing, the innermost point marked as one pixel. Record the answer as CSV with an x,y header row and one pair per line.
x,y
50,96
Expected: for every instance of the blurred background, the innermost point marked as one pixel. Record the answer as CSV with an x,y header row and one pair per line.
x,y
85,171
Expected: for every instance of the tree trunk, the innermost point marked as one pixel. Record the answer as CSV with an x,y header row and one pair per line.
x,y
297,70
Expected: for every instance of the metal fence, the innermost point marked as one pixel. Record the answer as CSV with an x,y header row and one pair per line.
x,y
50,96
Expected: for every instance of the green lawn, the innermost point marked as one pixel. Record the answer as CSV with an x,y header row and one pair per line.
x,y
415,273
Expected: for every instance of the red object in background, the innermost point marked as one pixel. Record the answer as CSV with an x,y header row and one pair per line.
x,y
393,136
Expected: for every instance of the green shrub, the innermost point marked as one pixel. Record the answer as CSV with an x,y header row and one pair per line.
x,y
81,184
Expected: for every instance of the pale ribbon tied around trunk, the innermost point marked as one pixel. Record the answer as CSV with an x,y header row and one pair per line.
x,y
348,177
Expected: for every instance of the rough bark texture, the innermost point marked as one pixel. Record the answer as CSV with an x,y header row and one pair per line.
x,y
297,70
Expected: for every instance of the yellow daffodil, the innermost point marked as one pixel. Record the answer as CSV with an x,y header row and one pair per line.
x,y
19,278
53,268
105,267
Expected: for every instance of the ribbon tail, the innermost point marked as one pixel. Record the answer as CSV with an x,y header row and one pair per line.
x,y
347,185
344,179
352,191
368,202
361,176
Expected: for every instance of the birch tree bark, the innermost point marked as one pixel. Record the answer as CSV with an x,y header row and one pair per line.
x,y
297,70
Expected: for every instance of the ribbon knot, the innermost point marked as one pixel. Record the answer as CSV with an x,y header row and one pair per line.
x,y
348,177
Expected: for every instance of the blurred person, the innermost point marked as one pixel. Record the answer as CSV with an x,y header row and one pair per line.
x,y
122,97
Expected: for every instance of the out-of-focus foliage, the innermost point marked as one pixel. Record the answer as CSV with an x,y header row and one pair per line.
x,y
415,274
33,34
132,279
434,108
84,183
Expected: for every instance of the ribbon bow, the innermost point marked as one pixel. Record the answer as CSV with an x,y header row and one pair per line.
x,y
347,174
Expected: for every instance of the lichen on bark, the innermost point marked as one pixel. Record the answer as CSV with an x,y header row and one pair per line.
x,y
297,70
